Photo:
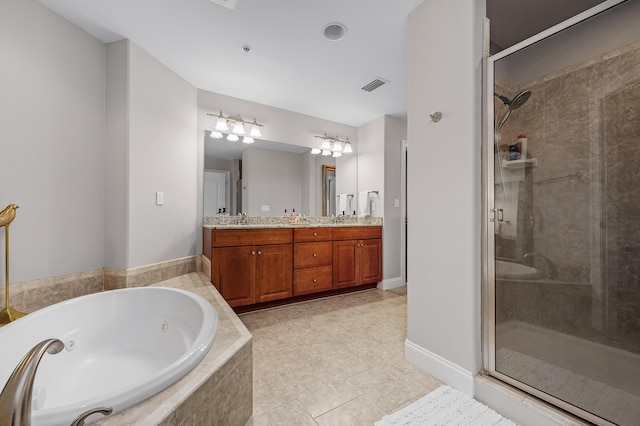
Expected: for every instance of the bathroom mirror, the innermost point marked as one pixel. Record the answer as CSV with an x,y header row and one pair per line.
x,y
266,177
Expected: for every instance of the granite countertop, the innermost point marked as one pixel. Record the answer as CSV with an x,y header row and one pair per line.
x,y
265,222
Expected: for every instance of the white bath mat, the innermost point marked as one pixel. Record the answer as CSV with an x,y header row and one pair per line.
x,y
445,406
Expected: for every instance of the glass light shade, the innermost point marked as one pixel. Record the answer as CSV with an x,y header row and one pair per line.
x,y
233,138
247,139
215,134
326,152
326,145
316,150
337,154
221,125
255,132
337,147
238,128
347,148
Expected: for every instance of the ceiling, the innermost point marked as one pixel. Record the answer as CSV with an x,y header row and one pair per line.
x,y
290,64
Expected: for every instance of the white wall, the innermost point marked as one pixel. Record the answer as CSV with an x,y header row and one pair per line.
x,y
116,223
52,120
162,157
371,161
395,131
444,189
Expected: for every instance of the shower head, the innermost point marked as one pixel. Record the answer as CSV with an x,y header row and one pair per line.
x,y
519,99
515,103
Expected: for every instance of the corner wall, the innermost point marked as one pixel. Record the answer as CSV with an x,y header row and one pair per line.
x,y
52,126
444,166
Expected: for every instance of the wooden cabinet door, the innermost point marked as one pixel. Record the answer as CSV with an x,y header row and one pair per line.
x,y
370,256
274,272
234,274
345,265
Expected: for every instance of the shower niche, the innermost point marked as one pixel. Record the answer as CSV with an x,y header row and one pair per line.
x,y
562,246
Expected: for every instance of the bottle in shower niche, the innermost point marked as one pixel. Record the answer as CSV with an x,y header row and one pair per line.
x,y
522,143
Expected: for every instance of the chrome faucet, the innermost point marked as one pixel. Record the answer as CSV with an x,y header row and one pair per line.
x,y
15,399
551,271
243,219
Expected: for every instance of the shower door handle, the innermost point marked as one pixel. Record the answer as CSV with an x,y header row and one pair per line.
x,y
498,215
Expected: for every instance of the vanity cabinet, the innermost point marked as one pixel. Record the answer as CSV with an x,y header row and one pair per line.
x,y
252,266
312,260
357,256
258,267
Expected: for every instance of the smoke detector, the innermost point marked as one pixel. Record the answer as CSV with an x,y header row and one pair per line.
x,y
334,31
229,4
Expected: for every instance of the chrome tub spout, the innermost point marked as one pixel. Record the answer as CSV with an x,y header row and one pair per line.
x,y
15,399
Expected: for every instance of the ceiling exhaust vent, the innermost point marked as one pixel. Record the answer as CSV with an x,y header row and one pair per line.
x,y
229,4
374,84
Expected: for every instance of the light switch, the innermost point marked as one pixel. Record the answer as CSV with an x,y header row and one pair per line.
x,y
266,208
159,198
396,203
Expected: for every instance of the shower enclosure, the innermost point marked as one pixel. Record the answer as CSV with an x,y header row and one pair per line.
x,y
561,299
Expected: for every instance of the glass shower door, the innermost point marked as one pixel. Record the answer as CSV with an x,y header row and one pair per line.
x,y
565,228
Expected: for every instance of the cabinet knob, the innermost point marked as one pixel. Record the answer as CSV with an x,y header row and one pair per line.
x,y
259,252
253,252
315,254
315,234
315,280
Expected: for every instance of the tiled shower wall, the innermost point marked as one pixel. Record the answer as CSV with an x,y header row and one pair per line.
x,y
580,206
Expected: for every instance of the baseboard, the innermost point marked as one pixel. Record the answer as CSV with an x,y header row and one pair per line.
x,y
439,367
391,283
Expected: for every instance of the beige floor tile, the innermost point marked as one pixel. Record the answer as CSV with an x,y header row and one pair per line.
x,y
321,394
358,412
292,413
338,360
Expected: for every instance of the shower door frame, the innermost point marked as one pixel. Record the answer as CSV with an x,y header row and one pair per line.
x,y
488,214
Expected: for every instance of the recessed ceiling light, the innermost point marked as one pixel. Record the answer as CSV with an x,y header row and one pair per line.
x,y
334,31
246,48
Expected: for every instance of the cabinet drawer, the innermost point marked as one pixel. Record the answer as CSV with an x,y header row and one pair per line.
x,y
357,233
311,255
312,234
245,237
312,280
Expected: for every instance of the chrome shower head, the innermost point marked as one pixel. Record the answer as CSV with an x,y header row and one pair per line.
x,y
519,99
515,103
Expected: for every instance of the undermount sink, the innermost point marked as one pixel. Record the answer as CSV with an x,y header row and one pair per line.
x,y
514,270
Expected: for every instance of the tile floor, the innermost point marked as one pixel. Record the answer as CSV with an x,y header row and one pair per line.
x,y
335,361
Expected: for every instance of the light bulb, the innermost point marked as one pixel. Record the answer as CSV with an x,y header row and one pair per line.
x,y
247,139
238,128
215,134
221,125
337,147
326,152
337,154
326,145
255,131
347,147
232,137
316,150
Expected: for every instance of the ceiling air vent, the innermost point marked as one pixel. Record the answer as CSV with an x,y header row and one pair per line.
x,y
374,84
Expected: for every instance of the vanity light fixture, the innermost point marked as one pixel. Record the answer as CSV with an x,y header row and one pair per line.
x,y
235,126
333,146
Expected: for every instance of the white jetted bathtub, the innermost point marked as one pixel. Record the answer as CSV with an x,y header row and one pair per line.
x,y
121,347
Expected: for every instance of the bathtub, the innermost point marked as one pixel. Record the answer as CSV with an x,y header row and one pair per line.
x,y
121,347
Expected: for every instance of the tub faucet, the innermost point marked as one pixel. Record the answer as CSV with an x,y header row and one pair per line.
x,y
550,269
15,399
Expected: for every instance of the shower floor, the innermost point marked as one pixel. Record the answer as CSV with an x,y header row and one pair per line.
x,y
592,376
